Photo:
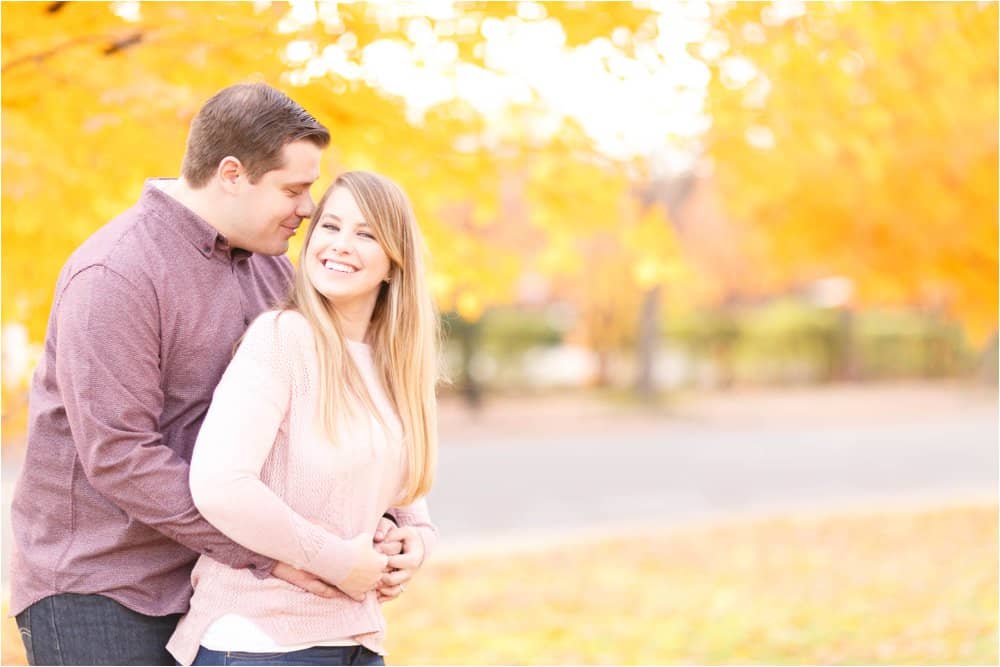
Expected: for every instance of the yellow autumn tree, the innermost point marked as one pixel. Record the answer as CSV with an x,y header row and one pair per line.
x,y
94,102
610,256
860,140
98,96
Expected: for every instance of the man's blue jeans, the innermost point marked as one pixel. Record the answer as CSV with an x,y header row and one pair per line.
x,y
317,655
71,629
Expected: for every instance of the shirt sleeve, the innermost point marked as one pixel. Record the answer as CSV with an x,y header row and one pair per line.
x,y
105,324
417,515
237,436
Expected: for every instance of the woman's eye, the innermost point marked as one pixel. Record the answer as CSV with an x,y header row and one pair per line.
x,y
367,235
332,227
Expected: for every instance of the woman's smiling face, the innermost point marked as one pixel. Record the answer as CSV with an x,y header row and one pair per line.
x,y
345,262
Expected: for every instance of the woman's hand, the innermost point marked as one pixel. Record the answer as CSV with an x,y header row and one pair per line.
x,y
401,568
369,566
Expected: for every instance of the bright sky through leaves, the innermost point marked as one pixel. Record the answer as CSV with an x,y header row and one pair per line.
x,y
634,99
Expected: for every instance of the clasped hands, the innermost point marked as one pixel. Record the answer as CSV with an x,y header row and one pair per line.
x,y
384,562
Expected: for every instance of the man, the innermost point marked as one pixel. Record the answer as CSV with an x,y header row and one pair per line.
x,y
144,321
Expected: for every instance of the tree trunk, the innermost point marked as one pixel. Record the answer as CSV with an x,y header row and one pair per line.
x,y
648,341
469,334
987,368
845,366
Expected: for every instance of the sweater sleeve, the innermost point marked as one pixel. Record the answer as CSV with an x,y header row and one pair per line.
x,y
238,433
416,514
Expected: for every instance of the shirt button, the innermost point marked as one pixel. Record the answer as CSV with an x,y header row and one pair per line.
x,y
246,321
251,566
206,249
208,550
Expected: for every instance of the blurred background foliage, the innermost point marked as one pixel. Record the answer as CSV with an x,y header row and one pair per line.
x,y
651,195
639,197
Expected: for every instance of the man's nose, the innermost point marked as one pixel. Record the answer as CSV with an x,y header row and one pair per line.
x,y
306,205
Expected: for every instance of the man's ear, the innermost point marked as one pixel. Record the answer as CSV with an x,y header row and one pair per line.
x,y
230,172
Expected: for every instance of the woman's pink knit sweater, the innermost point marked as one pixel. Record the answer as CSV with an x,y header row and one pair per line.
x,y
265,475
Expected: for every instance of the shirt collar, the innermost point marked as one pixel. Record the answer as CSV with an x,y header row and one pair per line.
x,y
203,236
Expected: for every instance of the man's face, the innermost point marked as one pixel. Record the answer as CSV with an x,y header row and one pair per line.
x,y
267,213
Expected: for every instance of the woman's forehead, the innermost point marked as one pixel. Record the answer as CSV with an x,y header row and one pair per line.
x,y
343,206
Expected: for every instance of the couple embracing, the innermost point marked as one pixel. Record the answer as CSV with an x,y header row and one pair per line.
x,y
291,473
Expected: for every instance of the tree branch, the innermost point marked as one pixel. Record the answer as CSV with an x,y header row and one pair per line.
x,y
123,43
117,44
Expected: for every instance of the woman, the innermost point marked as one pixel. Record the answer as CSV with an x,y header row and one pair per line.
x,y
325,418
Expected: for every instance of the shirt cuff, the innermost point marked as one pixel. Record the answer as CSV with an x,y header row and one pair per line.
x,y
262,567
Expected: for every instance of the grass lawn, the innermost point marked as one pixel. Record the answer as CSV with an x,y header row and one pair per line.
x,y
917,587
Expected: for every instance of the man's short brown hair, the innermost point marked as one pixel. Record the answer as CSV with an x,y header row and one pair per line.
x,y
252,122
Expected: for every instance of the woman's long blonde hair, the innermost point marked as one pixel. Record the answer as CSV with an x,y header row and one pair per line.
x,y
403,333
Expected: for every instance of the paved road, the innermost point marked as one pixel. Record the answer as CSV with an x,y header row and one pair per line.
x,y
564,484
525,486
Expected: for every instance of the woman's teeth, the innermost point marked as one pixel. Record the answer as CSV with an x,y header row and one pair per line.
x,y
337,266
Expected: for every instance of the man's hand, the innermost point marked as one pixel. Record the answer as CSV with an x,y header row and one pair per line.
x,y
401,568
383,546
305,580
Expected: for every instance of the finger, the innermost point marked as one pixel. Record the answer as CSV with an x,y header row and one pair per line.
x,y
308,583
395,578
317,587
390,547
401,533
383,528
404,561
390,592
